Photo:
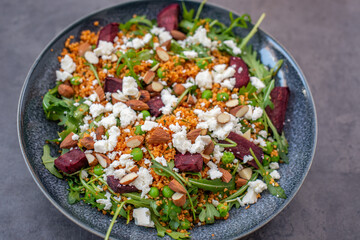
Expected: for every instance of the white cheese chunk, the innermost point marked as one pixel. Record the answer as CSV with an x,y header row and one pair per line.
x,y
129,86
67,64
142,217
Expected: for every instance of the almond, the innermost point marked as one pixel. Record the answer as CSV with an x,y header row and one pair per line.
x,y
179,199
167,45
116,97
177,187
226,177
103,160
193,134
137,105
239,111
66,91
232,103
240,182
158,136
209,149
154,68
144,96
177,35
155,87
128,178
83,48
135,141
100,131
149,77
100,93
87,142
134,168
205,156
191,100
223,118
179,89
92,160
203,132
68,142
245,173
162,54
247,134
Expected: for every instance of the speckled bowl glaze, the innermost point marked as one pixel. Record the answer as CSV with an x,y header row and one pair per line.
x,y
33,129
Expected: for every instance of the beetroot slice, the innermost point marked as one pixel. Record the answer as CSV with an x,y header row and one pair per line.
x,y
279,97
242,76
112,84
243,148
168,17
115,185
71,161
155,104
189,162
108,33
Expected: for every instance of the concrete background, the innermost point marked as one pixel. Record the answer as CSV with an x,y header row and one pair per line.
x,y
323,36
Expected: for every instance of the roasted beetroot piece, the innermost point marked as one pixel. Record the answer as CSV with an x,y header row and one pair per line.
x,y
280,97
115,185
112,84
155,104
71,161
108,33
189,162
241,72
168,17
243,148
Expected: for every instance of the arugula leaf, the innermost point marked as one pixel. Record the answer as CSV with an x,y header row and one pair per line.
x,y
136,20
213,185
252,32
73,196
48,161
208,214
161,231
187,15
93,69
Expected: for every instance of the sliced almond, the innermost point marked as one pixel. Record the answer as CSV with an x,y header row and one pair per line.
x,y
239,111
205,156
154,68
100,131
162,54
209,149
92,160
68,142
149,77
179,199
223,118
247,134
240,182
137,105
191,100
245,173
232,103
128,178
135,141
83,48
177,187
167,45
144,96
226,177
158,136
66,91
193,134
116,97
103,160
179,89
177,35
203,132
100,93
134,168
87,142
155,87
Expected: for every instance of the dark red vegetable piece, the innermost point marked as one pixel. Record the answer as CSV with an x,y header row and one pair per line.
x,y
243,148
168,17
242,76
155,104
115,185
71,161
189,162
112,84
108,33
279,97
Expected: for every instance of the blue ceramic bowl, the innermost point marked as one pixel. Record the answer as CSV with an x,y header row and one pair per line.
x,y
300,130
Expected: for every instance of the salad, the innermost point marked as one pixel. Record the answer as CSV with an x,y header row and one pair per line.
x,y
169,122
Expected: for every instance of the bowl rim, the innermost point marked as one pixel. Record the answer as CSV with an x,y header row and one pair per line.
x,y
38,182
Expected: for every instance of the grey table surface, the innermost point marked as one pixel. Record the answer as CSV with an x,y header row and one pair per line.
x,y
324,38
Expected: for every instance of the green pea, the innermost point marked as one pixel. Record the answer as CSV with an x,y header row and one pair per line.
x,y
138,130
160,73
207,94
223,209
185,224
137,154
98,170
167,192
228,157
222,97
145,114
75,80
154,192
